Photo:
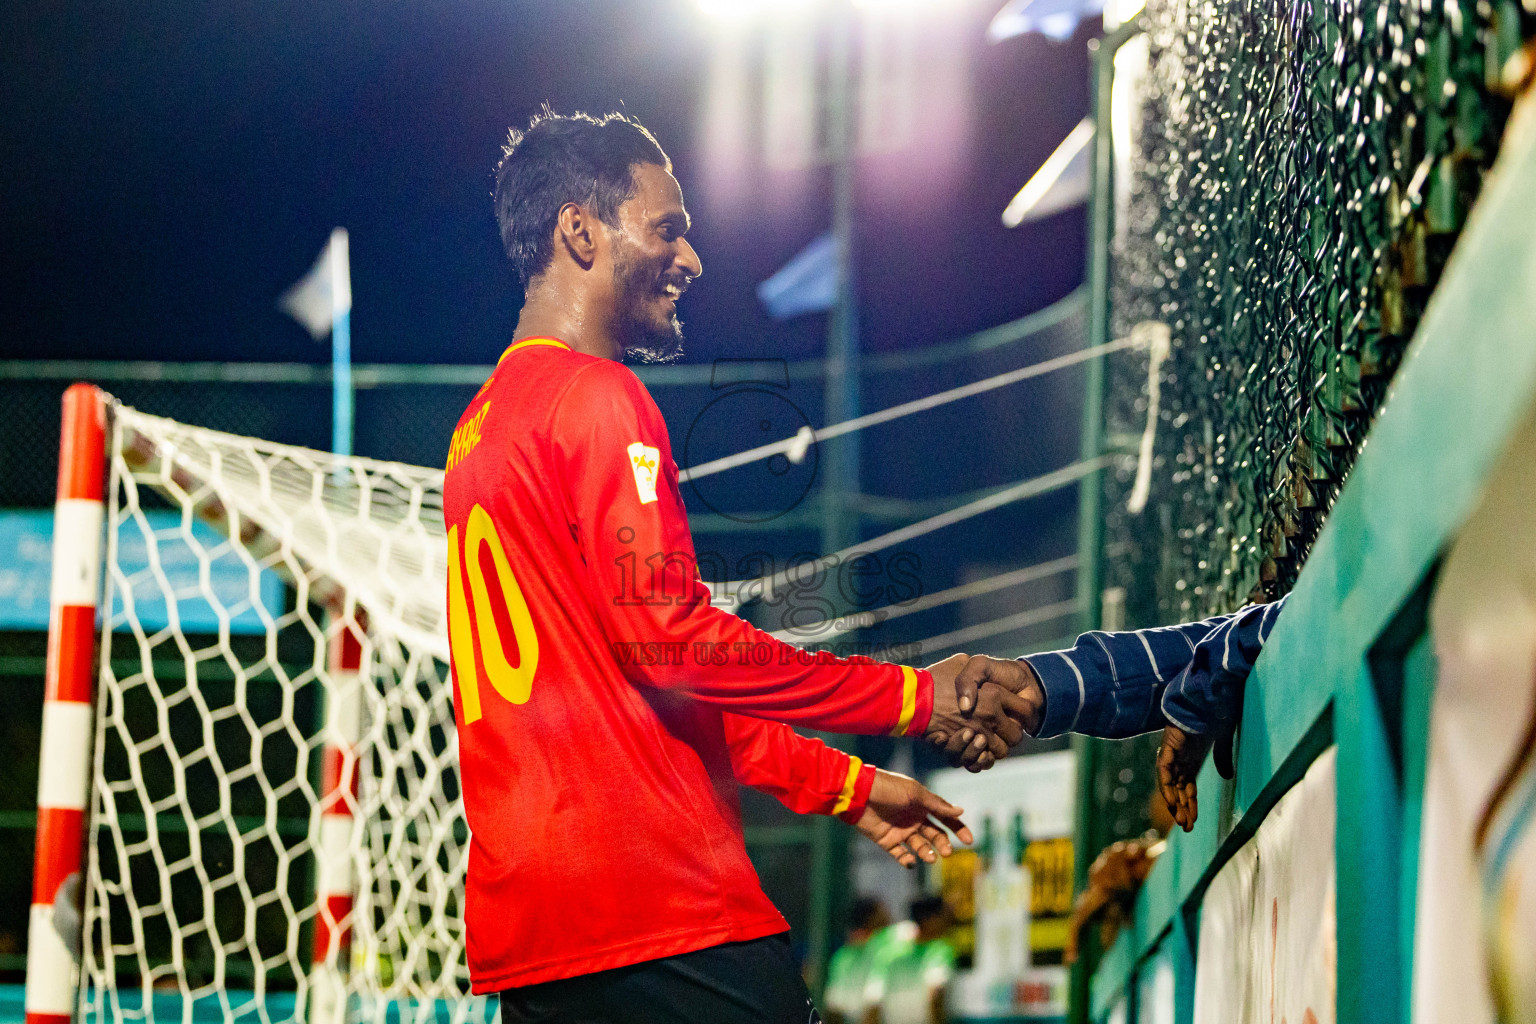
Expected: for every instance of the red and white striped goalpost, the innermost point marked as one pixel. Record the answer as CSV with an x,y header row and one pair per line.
x,y
64,760
335,881
64,770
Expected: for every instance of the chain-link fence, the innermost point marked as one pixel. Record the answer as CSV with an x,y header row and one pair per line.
x,y
1299,177
1296,179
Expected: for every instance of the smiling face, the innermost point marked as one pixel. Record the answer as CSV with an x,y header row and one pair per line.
x,y
653,264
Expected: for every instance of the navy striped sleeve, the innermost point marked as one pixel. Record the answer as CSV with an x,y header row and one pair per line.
x,y
1110,684
1118,684
1208,694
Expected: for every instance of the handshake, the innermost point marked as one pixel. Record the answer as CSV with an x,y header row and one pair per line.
x,y
982,707
1186,680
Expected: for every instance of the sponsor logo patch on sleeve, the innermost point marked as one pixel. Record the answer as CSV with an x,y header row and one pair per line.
x,y
646,462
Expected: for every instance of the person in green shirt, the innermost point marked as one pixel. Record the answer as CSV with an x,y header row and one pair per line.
x,y
908,981
868,925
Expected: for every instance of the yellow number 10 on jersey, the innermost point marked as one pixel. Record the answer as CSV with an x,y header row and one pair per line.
x,y
514,682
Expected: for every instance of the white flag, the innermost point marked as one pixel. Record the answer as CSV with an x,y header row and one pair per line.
x,y
325,293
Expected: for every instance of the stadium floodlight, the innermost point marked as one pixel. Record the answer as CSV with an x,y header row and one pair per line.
x,y
1118,12
1055,19
892,6
742,11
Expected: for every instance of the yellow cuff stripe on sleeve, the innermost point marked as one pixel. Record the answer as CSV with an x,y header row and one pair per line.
x,y
845,798
908,700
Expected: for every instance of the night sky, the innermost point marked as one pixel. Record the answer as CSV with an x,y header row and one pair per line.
x,y
172,167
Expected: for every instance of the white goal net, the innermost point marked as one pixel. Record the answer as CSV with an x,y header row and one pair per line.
x,y
276,830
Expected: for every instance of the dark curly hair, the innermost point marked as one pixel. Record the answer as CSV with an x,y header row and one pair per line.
x,y
561,159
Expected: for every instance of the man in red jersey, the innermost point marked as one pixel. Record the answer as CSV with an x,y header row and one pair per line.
x,y
607,710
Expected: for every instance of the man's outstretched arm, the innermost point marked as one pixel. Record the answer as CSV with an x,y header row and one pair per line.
x,y
1107,684
897,813
1111,684
1187,679
1115,685
615,465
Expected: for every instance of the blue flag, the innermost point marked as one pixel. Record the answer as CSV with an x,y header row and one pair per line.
x,y
806,284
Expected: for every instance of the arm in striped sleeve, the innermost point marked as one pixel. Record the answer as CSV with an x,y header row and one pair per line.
x,y
1111,684
1115,685
1207,695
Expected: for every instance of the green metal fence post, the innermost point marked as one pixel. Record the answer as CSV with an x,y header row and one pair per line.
x,y
1090,521
840,479
1370,840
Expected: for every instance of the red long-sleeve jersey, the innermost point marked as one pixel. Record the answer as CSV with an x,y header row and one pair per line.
x,y
805,775
605,707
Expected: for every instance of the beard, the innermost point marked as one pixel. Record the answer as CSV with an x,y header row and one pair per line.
x,y
662,345
644,338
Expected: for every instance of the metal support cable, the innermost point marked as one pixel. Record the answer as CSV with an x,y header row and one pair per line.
x,y
905,409
373,375
826,629
736,594
1006,624
874,508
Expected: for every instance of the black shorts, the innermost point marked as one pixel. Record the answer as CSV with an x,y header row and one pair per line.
x,y
753,982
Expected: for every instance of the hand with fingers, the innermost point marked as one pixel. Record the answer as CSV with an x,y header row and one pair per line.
x,y
907,820
999,698
1113,882
1178,765
990,732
